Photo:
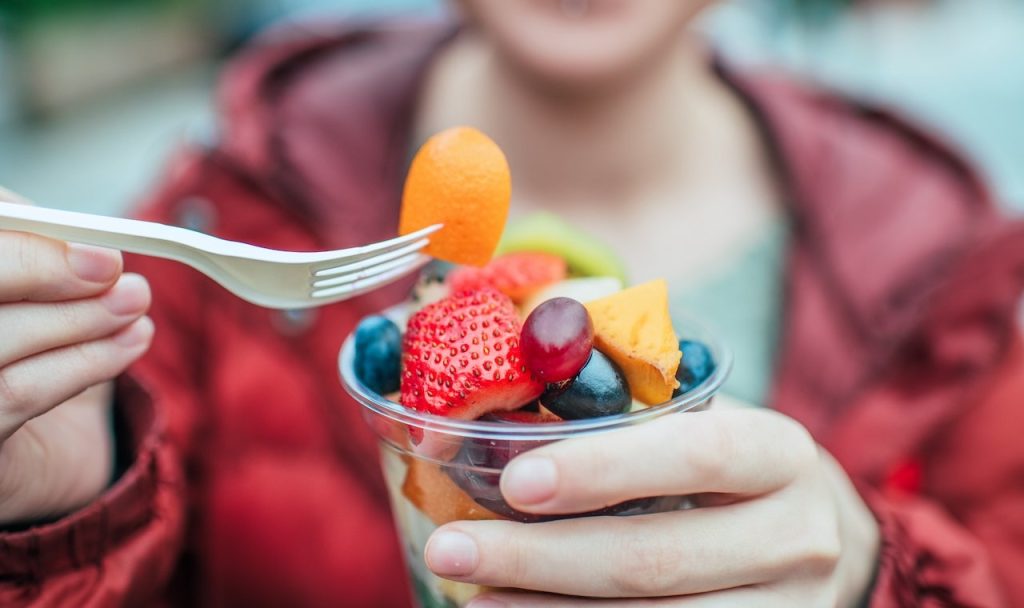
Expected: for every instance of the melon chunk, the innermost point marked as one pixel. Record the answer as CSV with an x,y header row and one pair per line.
x,y
633,328
437,496
583,289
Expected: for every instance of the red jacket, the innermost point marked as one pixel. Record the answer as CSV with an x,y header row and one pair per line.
x,y
252,480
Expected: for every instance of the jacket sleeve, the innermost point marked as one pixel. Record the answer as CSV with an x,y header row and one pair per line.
x,y
970,550
121,549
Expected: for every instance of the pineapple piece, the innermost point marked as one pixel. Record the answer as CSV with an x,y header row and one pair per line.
x,y
459,593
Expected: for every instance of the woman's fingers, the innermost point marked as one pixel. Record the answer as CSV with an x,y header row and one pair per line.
x,y
33,385
740,452
44,270
657,555
36,327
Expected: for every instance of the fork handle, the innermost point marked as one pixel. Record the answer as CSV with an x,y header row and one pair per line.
x,y
133,236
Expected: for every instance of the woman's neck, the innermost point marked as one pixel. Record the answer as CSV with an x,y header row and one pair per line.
x,y
610,144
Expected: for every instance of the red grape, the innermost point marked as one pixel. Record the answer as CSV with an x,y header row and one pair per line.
x,y
556,340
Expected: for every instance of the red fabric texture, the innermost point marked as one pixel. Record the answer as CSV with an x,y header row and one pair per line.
x,y
254,480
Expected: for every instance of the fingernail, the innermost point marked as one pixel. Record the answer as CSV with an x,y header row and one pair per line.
x,y
451,553
529,480
130,295
93,264
486,602
136,334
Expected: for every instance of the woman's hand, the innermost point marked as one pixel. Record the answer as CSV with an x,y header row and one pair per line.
x,y
69,321
780,523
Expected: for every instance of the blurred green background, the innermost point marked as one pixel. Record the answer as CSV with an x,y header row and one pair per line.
x,y
95,93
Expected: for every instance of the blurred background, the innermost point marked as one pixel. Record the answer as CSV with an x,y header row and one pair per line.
x,y
95,93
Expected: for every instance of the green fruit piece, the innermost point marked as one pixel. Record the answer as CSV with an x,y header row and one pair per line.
x,y
585,256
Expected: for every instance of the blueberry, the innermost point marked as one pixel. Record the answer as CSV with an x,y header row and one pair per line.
x,y
378,355
600,389
695,366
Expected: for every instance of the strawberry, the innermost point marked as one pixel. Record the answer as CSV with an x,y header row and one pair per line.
x,y
517,275
460,357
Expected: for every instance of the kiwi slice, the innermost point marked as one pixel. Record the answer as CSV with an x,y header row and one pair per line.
x,y
546,232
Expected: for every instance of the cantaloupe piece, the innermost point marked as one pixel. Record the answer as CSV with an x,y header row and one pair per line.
x,y
633,328
437,496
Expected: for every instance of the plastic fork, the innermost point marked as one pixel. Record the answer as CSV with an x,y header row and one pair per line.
x,y
267,277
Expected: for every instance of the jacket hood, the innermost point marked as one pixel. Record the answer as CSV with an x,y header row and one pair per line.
x,y
322,116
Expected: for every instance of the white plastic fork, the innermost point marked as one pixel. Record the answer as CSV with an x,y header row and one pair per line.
x,y
267,277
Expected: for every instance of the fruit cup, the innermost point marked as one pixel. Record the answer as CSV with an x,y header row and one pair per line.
x,y
440,470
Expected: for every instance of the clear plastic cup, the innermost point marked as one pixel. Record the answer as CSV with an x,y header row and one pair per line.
x,y
440,470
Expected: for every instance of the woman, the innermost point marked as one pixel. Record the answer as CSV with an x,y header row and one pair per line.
x,y
245,477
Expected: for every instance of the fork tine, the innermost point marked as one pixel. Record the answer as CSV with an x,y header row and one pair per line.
x,y
358,254
351,277
350,267
368,283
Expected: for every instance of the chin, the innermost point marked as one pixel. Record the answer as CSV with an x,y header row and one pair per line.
x,y
581,43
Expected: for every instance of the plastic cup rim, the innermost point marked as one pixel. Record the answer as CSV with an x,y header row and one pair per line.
x,y
381,406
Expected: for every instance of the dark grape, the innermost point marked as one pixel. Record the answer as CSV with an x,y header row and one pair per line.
x,y
477,470
477,467
600,389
